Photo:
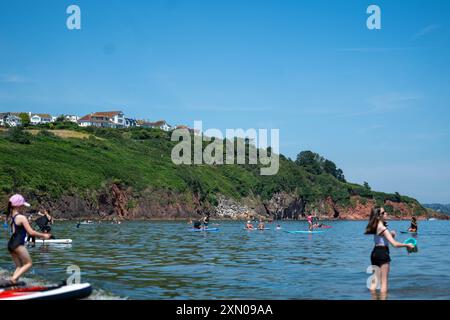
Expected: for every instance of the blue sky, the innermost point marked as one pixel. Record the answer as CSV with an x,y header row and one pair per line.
x,y
376,102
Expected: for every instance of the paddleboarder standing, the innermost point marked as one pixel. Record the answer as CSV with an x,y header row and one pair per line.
x,y
310,222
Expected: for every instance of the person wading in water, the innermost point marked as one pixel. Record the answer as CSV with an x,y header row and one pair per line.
x,y
19,229
380,254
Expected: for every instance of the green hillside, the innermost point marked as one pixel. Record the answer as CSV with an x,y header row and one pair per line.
x,y
66,159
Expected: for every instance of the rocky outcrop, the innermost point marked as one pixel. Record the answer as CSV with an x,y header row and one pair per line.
x,y
360,209
284,206
117,202
231,209
163,204
120,201
114,202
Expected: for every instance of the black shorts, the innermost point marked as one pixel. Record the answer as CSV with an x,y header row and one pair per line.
x,y
380,256
46,229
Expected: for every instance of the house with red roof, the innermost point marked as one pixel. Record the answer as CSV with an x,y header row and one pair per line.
x,y
105,119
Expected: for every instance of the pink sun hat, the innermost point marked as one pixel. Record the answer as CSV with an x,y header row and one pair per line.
x,y
17,201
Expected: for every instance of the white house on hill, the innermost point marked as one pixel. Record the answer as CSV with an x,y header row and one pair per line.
x,y
72,118
40,118
9,119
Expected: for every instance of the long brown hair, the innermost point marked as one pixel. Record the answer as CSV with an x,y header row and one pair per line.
x,y
9,210
374,219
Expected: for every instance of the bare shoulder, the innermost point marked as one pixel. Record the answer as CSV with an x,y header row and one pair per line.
x,y
380,228
21,218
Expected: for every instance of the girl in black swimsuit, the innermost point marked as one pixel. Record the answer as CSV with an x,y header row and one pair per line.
x,y
19,229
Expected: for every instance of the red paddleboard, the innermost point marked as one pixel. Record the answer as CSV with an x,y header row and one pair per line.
x,y
75,291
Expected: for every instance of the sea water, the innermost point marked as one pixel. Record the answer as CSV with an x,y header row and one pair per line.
x,y
163,260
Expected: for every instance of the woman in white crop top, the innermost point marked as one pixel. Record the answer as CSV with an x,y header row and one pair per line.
x,y
380,254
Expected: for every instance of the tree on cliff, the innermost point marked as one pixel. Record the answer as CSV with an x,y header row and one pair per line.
x,y
316,164
310,161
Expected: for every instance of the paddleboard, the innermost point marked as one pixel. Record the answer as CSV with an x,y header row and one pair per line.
x,y
204,230
408,232
60,292
52,241
302,231
257,229
8,284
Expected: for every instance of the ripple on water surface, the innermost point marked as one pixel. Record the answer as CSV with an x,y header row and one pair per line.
x,y
164,260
